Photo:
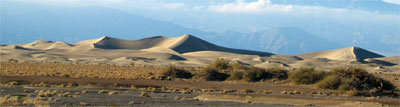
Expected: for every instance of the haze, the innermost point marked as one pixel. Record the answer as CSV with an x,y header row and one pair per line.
x,y
278,26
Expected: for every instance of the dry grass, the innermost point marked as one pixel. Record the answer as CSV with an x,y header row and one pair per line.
x,y
43,98
173,71
11,84
84,104
101,91
12,100
217,71
254,74
112,92
267,91
210,74
144,94
75,70
306,76
84,91
220,63
354,79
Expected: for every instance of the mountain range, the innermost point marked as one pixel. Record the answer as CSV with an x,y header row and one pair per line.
x,y
22,23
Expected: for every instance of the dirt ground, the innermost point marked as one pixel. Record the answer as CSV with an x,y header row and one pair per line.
x,y
124,97
176,93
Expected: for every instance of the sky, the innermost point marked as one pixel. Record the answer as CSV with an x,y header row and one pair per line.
x,y
358,22
212,15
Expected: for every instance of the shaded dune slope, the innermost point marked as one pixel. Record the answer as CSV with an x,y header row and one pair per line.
x,y
183,44
344,54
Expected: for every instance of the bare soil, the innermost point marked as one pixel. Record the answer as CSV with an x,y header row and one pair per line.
x,y
217,93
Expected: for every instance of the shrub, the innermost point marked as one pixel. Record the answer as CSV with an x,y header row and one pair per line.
x,y
306,76
352,81
359,79
220,63
329,82
210,74
144,94
239,67
236,75
112,92
254,74
345,85
172,71
278,73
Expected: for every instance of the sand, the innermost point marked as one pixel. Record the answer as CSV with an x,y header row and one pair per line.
x,y
188,50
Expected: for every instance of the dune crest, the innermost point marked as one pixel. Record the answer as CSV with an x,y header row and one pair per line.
x,y
177,45
344,54
187,50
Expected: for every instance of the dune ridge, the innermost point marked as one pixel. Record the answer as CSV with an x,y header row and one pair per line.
x,y
188,50
182,44
344,54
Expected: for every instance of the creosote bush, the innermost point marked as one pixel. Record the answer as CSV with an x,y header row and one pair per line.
x,y
330,82
210,74
239,67
175,72
254,74
278,73
220,63
306,76
350,78
236,75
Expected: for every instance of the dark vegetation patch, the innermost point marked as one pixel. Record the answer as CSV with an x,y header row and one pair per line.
x,y
356,79
306,76
210,74
174,72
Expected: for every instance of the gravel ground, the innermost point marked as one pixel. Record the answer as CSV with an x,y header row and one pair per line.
x,y
123,97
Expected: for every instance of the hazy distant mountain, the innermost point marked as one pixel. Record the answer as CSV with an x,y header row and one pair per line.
x,y
288,40
22,23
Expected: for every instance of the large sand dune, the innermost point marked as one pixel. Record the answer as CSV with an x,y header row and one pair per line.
x,y
182,44
350,53
188,50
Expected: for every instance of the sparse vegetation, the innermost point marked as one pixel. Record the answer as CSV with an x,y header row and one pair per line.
x,y
84,104
306,76
131,102
254,74
347,81
210,74
278,73
329,82
236,75
144,94
356,79
173,71
7,99
84,91
112,92
220,63
105,71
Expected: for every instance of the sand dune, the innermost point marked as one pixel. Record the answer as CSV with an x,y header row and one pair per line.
x,y
46,45
345,54
188,50
182,44
15,47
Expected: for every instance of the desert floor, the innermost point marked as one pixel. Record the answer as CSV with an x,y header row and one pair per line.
x,y
109,92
